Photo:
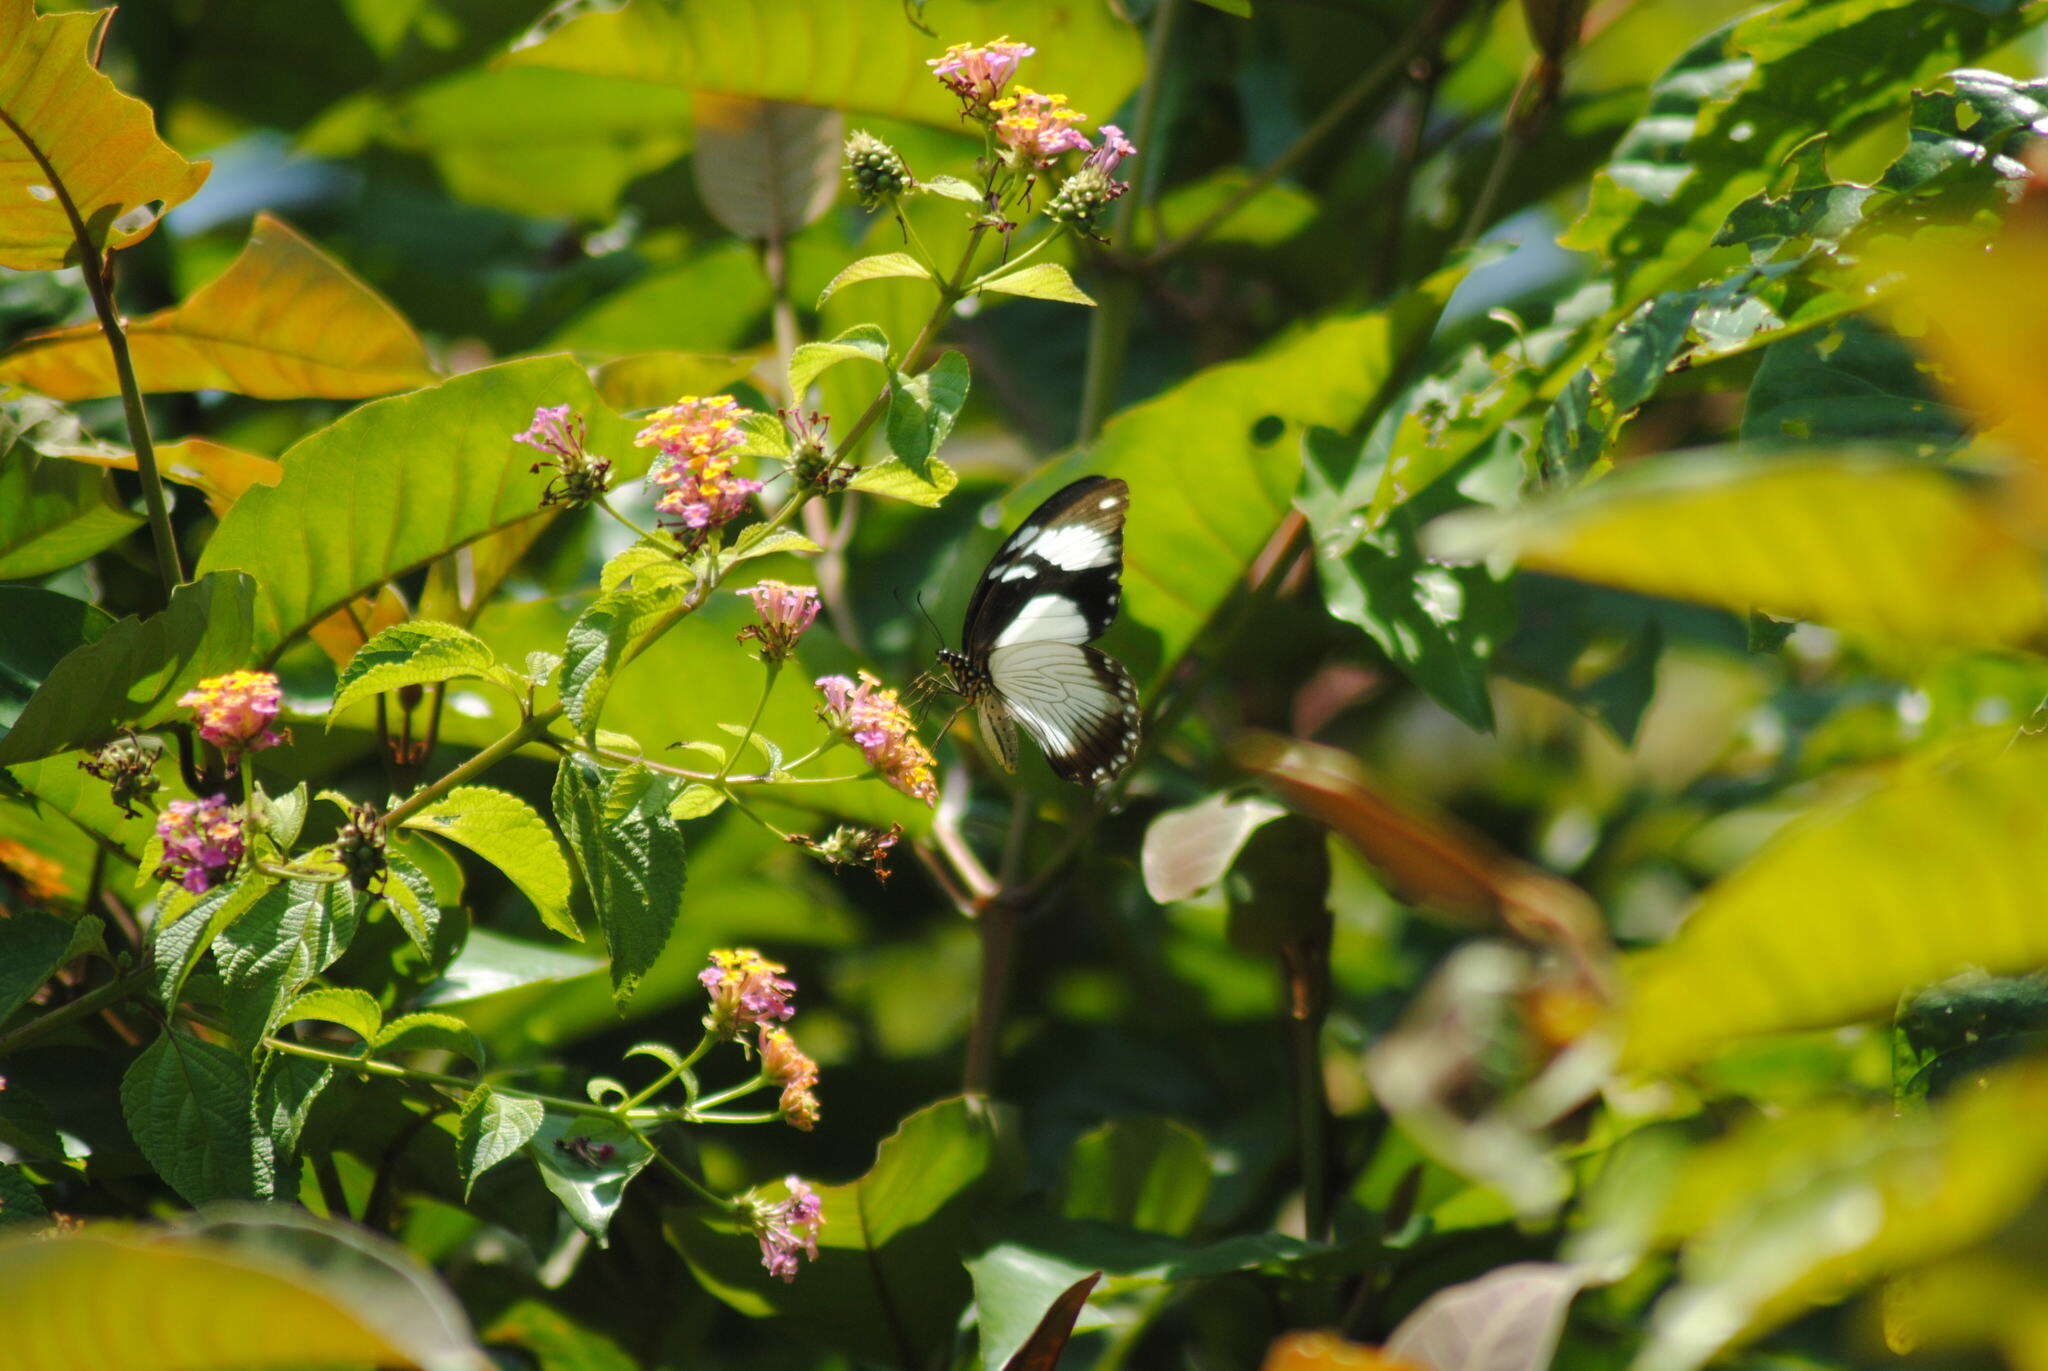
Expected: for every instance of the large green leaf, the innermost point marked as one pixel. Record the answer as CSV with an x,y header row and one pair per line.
x,y
1859,902
42,628
134,672
855,55
631,856
33,945
506,832
191,1106
888,1283
1853,382
52,512
713,301
398,482
1895,551
288,935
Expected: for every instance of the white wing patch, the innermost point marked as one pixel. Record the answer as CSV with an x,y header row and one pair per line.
x,y
1054,691
1044,619
1072,547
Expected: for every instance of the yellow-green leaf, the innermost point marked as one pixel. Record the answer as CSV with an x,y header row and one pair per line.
x,y
874,268
646,380
507,832
59,114
1041,281
284,321
1902,552
1860,901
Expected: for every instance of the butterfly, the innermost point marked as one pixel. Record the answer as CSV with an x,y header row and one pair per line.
x,y
1024,656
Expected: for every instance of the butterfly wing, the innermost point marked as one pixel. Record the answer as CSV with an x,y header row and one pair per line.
x,y
1058,577
1077,702
998,730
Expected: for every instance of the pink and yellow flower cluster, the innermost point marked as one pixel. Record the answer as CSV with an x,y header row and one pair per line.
x,y
881,727
785,610
1034,128
787,1228
202,841
235,711
697,437
747,990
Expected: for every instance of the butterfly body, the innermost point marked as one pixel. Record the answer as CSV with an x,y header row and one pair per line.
x,y
1024,658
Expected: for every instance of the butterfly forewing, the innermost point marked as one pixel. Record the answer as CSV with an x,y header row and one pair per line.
x,y
1052,587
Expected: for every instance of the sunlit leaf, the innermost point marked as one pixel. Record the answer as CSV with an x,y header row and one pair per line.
x,y
52,512
1188,850
288,935
631,855
588,1163
355,1010
59,113
506,832
416,654
765,168
875,268
492,1129
284,321
647,380
1146,1173
1041,281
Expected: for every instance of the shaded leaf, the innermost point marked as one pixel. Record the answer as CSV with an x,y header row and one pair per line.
x,y
646,380
491,963
492,1129
191,1107
42,628
766,169
52,513
284,321
33,945
1510,1319
60,111
630,852
1150,1174
506,832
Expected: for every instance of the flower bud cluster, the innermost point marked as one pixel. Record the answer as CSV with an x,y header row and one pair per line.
x,y
580,475
874,170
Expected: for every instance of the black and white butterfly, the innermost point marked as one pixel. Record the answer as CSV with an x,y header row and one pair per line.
x,y
1024,656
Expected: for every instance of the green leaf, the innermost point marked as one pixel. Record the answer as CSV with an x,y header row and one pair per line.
x,y
356,1010
893,480
409,892
891,1240
863,342
766,169
597,641
953,188
289,934
922,410
190,1105
1150,1174
33,946
1861,901
630,853
834,53
1041,281
1016,1295
587,1163
1895,551
695,801
712,301
417,653
491,964
277,1289
492,1129
181,935
283,817
52,512
42,627
19,1202
880,265
429,1033
134,672
506,832
1848,383
287,1088
357,508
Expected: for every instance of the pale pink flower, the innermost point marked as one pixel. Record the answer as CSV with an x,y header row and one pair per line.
x,y
1036,128
202,841
787,1228
881,727
785,610
235,710
746,989
977,73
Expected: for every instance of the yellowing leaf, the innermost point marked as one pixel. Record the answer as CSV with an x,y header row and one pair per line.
x,y
1328,1352
1855,904
59,115
301,1294
284,321
221,472
1900,552
646,380
1041,281
343,632
766,168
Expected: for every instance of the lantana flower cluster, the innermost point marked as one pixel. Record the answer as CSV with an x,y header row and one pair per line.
x,y
697,438
202,841
235,711
558,434
787,1228
881,727
786,611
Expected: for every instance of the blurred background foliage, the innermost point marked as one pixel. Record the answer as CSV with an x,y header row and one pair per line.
x,y
1544,691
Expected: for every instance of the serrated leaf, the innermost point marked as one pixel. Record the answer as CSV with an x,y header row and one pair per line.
x,y
429,1033
19,1203
1041,281
766,169
289,934
863,342
881,266
284,321
357,506
893,480
597,642
506,832
287,1088
135,671
631,856
101,144
755,542
587,1163
356,1010
33,946
52,512
922,410
410,894
190,1106
181,935
492,1129
283,817
417,653
695,801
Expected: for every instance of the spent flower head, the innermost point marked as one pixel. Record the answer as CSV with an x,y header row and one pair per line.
x,y
558,432
1035,128
854,845
235,711
128,766
977,72
787,1228
785,610
697,436
746,989
786,1064
881,727
202,841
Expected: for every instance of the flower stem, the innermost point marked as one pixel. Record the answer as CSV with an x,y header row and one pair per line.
x,y
645,534
730,1094
530,730
662,1081
760,708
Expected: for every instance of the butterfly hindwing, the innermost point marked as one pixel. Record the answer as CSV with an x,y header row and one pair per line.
x,y
998,730
1058,577
1077,703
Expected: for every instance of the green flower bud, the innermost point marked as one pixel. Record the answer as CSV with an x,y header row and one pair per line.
x,y
874,170
1083,197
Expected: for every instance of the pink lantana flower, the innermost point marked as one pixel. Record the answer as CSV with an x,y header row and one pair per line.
x,y
785,610
787,1228
881,727
1036,128
1114,149
202,841
557,433
696,437
977,72
235,710
746,989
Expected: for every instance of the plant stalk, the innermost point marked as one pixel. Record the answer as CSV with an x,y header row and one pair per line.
x,y
91,1002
